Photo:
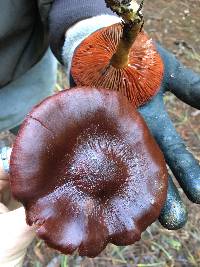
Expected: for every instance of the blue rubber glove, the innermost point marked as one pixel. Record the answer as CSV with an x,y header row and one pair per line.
x,y
185,84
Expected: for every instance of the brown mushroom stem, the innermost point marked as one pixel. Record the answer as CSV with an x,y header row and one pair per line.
x,y
121,57
133,22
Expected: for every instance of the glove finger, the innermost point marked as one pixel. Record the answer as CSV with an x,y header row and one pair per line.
x,y
174,214
184,166
181,81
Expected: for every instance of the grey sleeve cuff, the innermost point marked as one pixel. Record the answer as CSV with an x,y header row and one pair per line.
x,y
76,34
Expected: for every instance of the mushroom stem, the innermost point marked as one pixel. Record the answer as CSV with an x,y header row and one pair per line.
x,y
121,57
132,25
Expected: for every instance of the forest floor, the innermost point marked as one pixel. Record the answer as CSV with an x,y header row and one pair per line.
x,y
176,25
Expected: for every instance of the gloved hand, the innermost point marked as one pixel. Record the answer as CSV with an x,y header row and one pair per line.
x,y
15,234
184,83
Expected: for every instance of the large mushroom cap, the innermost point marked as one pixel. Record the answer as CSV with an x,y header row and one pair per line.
x,y
88,171
140,80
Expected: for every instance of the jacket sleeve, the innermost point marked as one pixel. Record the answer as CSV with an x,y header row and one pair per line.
x,y
65,13
44,7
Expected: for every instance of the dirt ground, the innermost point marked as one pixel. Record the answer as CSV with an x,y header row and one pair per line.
x,y
175,24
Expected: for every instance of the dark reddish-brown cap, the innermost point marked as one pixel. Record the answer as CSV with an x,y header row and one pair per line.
x,y
88,171
139,81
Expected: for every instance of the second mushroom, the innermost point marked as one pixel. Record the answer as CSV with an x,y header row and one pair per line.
x,y
120,57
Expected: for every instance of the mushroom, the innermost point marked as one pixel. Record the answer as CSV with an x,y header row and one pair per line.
x,y
120,57
87,171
